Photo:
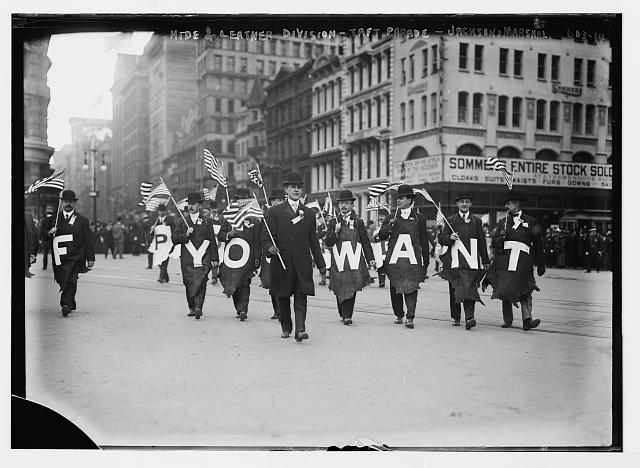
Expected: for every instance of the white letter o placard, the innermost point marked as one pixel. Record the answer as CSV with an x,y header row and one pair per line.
x,y
246,251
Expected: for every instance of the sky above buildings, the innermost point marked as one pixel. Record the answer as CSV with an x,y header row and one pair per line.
x,y
81,76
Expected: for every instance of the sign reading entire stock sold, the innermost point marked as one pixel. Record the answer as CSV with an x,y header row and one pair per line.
x,y
419,171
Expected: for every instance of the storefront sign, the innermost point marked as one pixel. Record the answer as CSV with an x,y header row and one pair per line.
x,y
566,90
419,171
473,169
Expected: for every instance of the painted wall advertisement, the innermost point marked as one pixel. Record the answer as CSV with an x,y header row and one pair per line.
x,y
419,171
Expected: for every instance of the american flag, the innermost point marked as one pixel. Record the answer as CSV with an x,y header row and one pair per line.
x,y
425,194
145,190
378,189
209,194
231,210
215,168
256,177
501,166
152,204
314,204
55,181
160,189
328,205
440,218
182,204
250,210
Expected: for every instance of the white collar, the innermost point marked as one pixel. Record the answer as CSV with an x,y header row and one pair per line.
x,y
518,214
293,203
405,212
464,215
194,217
69,214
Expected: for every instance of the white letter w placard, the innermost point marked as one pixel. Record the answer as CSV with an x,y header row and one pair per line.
x,y
471,258
515,247
57,250
403,249
346,250
197,254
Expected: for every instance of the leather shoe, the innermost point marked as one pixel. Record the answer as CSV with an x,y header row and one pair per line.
x,y
243,316
347,321
301,336
529,324
381,285
274,317
285,334
455,323
65,310
470,324
198,313
506,325
191,313
409,323
398,321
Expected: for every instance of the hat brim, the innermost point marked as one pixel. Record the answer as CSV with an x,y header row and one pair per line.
x,y
69,199
463,198
346,199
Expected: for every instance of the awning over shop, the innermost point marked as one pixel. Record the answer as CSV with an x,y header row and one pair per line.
x,y
588,215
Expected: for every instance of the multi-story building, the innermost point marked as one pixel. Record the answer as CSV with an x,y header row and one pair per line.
x,y
367,115
326,126
90,137
226,70
129,161
288,109
543,106
179,168
36,102
251,136
172,92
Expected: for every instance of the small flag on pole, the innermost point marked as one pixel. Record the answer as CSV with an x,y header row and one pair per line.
x,y
55,181
182,204
378,189
425,194
314,204
215,168
152,204
440,218
231,210
328,205
500,166
256,177
250,210
373,205
160,189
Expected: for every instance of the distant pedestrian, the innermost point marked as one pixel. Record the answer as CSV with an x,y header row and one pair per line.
x,y
118,238
108,241
593,247
45,226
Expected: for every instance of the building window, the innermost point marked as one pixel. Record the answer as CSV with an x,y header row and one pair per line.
x,y
434,108
554,110
434,59
231,63
516,111
360,163
230,104
411,69
403,72
368,104
477,60
378,112
503,101
609,120
218,105
411,126
462,60
402,117
577,118
542,66
555,68
423,109
577,72
517,63
504,61
591,72
368,150
425,58
352,80
477,108
462,106
296,49
272,67
351,119
369,67
377,145
217,62
590,114
540,114
260,65
360,117
360,77
243,63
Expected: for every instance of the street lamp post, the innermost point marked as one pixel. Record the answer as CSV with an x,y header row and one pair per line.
x,y
93,153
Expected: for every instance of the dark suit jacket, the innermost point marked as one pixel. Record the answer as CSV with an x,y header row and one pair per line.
x,y
297,242
332,238
531,236
471,230
251,235
386,231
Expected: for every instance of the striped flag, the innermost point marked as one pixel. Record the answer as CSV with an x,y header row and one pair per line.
x,y
328,205
250,210
314,204
182,204
501,166
256,177
391,187
152,204
160,189
145,190
373,205
231,210
425,194
440,218
55,181
215,168
378,189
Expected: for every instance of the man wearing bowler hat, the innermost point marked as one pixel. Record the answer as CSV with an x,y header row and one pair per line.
x,y
517,241
198,254
293,227
351,256
276,197
407,256
72,250
466,251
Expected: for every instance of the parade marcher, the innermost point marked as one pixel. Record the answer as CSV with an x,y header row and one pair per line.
x,y
407,256
321,231
45,226
198,254
216,219
163,220
147,231
276,197
383,216
466,250
72,250
293,227
348,242
137,236
30,243
593,251
608,250
118,238
241,258
518,246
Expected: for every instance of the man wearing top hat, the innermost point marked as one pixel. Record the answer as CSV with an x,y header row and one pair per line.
x,y
348,273
72,250
163,220
518,246
241,257
198,253
276,197
466,251
295,240
407,256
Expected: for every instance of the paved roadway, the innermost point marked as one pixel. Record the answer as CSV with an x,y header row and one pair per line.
x,y
131,369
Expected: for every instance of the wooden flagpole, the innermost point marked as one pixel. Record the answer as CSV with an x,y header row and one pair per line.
x,y
271,235
264,190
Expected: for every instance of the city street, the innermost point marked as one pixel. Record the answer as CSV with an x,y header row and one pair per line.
x,y
130,368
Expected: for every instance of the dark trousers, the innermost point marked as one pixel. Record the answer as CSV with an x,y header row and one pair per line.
x,y
410,299
68,296
197,300
469,306
592,262
164,274
46,251
299,309
526,304
381,277
346,308
274,303
108,247
135,249
150,260
241,297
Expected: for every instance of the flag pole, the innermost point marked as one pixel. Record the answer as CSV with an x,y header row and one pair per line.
x,y
264,190
58,212
174,202
270,235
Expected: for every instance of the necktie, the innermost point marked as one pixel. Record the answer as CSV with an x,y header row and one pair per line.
x,y
516,221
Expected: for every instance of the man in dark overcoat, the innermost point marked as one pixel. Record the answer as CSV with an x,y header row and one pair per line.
x,y
407,256
517,241
346,231
72,250
295,240
163,220
276,197
199,252
466,250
